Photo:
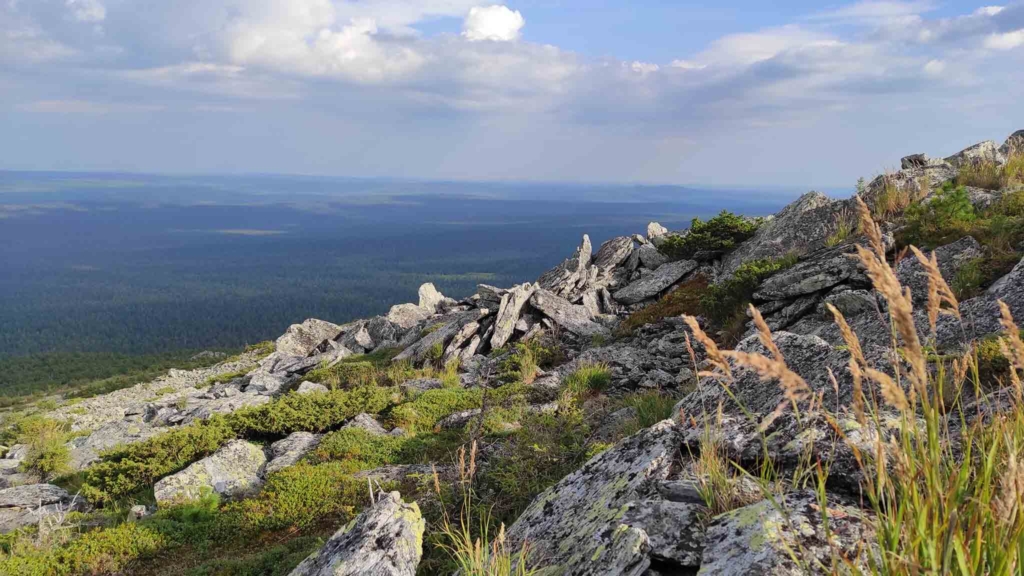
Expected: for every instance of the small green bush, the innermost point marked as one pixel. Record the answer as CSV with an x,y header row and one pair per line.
x,y
105,551
345,375
520,365
221,378
361,449
724,303
46,439
315,412
422,413
946,217
719,234
685,299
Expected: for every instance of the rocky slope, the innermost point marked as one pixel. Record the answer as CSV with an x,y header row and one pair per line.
x,y
634,508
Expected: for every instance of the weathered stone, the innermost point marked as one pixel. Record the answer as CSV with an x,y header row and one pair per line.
x,y
233,471
310,388
823,270
430,298
509,310
303,339
32,496
800,228
489,296
406,316
650,257
981,315
1013,145
575,319
760,540
289,450
454,348
439,335
613,252
655,283
575,526
675,530
381,330
32,504
358,339
981,152
655,230
571,275
266,383
850,303
385,540
366,422
951,258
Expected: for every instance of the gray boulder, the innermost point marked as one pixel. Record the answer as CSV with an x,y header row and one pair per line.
x,y
650,257
576,526
800,228
613,252
385,540
303,339
307,387
366,422
440,335
289,450
357,339
675,530
655,283
511,306
430,298
569,277
951,258
234,471
1013,144
654,230
821,271
31,504
381,331
406,316
981,152
759,540
574,318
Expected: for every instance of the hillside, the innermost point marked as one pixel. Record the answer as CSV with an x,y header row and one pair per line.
x,y
832,389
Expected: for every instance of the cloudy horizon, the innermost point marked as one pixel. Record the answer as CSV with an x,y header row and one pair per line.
x,y
740,94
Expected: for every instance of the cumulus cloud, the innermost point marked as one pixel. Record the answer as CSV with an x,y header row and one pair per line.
x,y
1007,41
497,23
87,10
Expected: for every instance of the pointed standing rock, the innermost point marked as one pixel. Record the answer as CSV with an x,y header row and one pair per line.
x,y
512,303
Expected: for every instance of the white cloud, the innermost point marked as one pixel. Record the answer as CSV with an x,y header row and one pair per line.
x,y
496,22
644,68
87,10
935,67
989,10
1007,41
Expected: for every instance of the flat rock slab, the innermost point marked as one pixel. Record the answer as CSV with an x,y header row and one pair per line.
x,y
655,283
572,317
289,450
758,540
674,529
385,540
302,339
575,526
27,505
233,471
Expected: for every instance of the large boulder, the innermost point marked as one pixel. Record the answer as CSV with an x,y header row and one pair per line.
x,y
303,339
1013,145
430,298
406,316
981,315
951,258
439,335
761,540
651,285
800,228
289,450
509,309
613,252
570,277
981,152
575,527
823,270
572,317
234,471
385,540
27,505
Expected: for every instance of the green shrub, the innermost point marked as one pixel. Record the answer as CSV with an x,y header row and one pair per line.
x,y
724,303
588,379
422,413
345,375
520,365
719,234
361,449
968,279
277,560
46,440
685,299
315,412
105,551
946,217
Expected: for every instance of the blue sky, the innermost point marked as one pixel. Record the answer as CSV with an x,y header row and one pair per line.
x,y
721,93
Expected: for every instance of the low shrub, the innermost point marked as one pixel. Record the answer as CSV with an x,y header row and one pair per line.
x,y
719,234
724,303
310,412
226,377
361,449
519,366
946,217
105,551
46,439
586,380
685,299
422,413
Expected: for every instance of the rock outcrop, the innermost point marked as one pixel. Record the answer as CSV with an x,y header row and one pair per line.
x,y
234,471
32,504
385,540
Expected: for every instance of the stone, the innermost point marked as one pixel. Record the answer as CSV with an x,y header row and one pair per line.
x,y
303,339
381,331
454,348
850,303
674,530
575,526
509,309
406,316
421,384
31,504
613,252
233,471
1014,144
366,422
981,152
571,275
591,301
489,296
308,387
385,540
650,257
760,540
290,449
32,496
266,383
655,230
981,314
655,283
576,319
800,228
138,512
951,258
440,334
821,271
358,339
401,472
430,298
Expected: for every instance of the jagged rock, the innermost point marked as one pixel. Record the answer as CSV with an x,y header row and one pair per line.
x,y
232,471
650,257
289,450
675,530
792,312
357,339
509,309
29,505
823,270
951,258
385,540
421,384
655,230
406,316
439,335
571,275
575,526
981,152
381,331
574,318
366,422
800,228
657,351
489,296
591,302
303,339
850,303
454,348
1013,144
613,252
655,283
760,540
310,388
981,315
430,298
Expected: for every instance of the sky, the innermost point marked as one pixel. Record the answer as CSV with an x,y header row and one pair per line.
x,y
724,93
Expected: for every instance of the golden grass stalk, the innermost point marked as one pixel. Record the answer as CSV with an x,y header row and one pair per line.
x,y
714,355
764,334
